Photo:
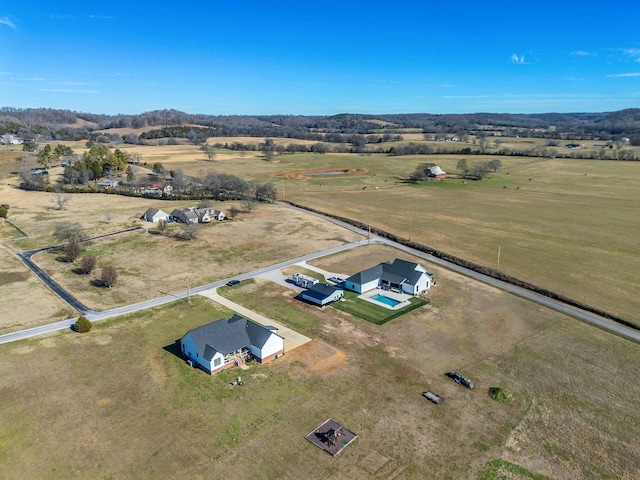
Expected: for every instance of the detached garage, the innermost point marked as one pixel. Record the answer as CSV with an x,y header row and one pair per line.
x,y
322,294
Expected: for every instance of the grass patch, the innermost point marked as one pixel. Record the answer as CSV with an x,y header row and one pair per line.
x,y
500,394
273,302
371,312
501,469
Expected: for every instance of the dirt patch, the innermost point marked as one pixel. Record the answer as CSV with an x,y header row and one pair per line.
x,y
268,234
318,356
307,174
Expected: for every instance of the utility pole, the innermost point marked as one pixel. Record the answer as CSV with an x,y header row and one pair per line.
x,y
498,258
186,280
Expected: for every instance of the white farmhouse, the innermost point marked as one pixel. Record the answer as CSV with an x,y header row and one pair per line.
x,y
227,343
154,215
400,276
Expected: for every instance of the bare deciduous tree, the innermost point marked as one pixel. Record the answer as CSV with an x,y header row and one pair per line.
x,y
233,212
209,151
162,225
72,250
249,203
70,232
190,230
109,276
88,263
60,198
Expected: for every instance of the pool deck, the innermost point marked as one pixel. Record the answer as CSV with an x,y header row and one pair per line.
x,y
403,298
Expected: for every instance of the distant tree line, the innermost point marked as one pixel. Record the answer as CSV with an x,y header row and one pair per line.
x,y
52,124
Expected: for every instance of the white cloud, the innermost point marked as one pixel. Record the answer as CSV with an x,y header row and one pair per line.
x,y
67,90
582,53
618,75
7,22
517,59
633,53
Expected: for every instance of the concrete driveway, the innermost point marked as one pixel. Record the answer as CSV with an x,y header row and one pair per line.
x,y
292,339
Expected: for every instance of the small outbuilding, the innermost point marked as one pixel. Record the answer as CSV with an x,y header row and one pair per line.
x,y
322,294
436,172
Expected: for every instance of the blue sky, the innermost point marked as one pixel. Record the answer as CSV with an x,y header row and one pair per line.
x,y
321,58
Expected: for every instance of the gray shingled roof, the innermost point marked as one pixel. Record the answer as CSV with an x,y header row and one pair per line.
x,y
367,275
397,272
226,336
150,213
320,291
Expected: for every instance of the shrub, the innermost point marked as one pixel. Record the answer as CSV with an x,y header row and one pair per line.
x,y
500,394
88,263
82,325
72,250
109,276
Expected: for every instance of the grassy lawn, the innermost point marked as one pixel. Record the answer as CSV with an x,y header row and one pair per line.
x,y
251,294
372,312
121,396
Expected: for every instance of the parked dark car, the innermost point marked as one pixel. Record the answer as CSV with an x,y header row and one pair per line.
x,y
460,379
232,283
432,397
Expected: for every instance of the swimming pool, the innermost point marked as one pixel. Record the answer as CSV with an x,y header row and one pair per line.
x,y
386,300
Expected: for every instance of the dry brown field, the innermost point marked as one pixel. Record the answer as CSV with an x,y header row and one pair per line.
x,y
149,263
118,403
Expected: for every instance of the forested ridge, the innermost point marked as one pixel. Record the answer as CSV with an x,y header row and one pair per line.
x,y
53,124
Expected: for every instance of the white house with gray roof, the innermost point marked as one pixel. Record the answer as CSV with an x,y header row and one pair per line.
x,y
227,343
400,276
154,215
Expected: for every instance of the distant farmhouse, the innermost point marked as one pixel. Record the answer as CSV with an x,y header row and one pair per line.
x,y
158,190
227,343
108,183
155,215
400,276
184,215
436,172
10,140
196,215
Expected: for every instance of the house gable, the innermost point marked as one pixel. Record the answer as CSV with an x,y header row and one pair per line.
x,y
408,277
214,343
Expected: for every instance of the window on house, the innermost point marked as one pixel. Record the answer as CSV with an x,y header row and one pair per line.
x,y
217,362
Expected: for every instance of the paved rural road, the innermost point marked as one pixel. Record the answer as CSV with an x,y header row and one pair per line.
x,y
95,316
61,292
521,292
529,295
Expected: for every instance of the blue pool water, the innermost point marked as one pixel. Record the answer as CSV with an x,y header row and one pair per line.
x,y
387,301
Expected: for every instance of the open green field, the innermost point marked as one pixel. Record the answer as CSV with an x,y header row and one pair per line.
x,y
566,225
118,403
